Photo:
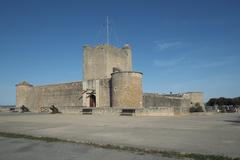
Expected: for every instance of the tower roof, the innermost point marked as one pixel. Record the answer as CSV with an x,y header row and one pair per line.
x,y
24,83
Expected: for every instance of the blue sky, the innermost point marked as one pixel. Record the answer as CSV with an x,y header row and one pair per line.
x,y
180,46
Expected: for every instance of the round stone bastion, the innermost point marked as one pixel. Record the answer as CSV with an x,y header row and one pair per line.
x,y
126,89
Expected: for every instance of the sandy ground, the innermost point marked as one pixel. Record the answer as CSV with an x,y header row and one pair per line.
x,y
206,134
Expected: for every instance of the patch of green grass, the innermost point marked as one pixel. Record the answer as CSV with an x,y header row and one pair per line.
x,y
17,135
170,154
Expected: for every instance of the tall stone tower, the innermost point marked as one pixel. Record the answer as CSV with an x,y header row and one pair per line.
x,y
126,90
106,62
23,92
102,60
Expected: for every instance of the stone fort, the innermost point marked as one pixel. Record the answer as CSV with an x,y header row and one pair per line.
x,y
109,86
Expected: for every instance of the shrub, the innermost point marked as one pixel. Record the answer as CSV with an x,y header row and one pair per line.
x,y
196,109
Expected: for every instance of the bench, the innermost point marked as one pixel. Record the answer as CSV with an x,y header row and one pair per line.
x,y
127,112
87,111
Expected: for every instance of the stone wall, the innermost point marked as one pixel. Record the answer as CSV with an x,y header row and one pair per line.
x,y
180,104
125,92
100,88
99,61
120,58
104,92
90,87
163,111
126,89
94,64
59,95
160,111
195,97
67,97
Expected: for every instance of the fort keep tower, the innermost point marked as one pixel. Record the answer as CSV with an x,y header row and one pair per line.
x,y
101,61
108,77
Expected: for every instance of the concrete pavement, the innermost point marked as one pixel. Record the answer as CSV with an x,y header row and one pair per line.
x,y
205,134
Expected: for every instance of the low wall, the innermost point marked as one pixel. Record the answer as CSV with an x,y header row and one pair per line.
x,y
163,111
178,103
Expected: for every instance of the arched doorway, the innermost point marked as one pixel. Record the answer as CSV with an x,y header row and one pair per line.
x,y
92,100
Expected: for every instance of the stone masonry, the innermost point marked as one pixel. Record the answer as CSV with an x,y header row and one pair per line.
x,y
109,84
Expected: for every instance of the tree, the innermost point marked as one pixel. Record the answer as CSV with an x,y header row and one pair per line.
x,y
212,102
224,101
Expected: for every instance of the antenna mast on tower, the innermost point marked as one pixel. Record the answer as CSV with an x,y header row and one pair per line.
x,y
107,31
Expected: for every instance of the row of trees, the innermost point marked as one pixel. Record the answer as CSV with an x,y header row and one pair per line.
x,y
224,101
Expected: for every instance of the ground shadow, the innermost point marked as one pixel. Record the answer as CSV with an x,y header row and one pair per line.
x,y
234,122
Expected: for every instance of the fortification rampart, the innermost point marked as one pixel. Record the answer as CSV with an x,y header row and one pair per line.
x,y
38,97
180,104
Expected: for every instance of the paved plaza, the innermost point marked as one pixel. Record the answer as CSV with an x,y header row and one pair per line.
x,y
217,134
